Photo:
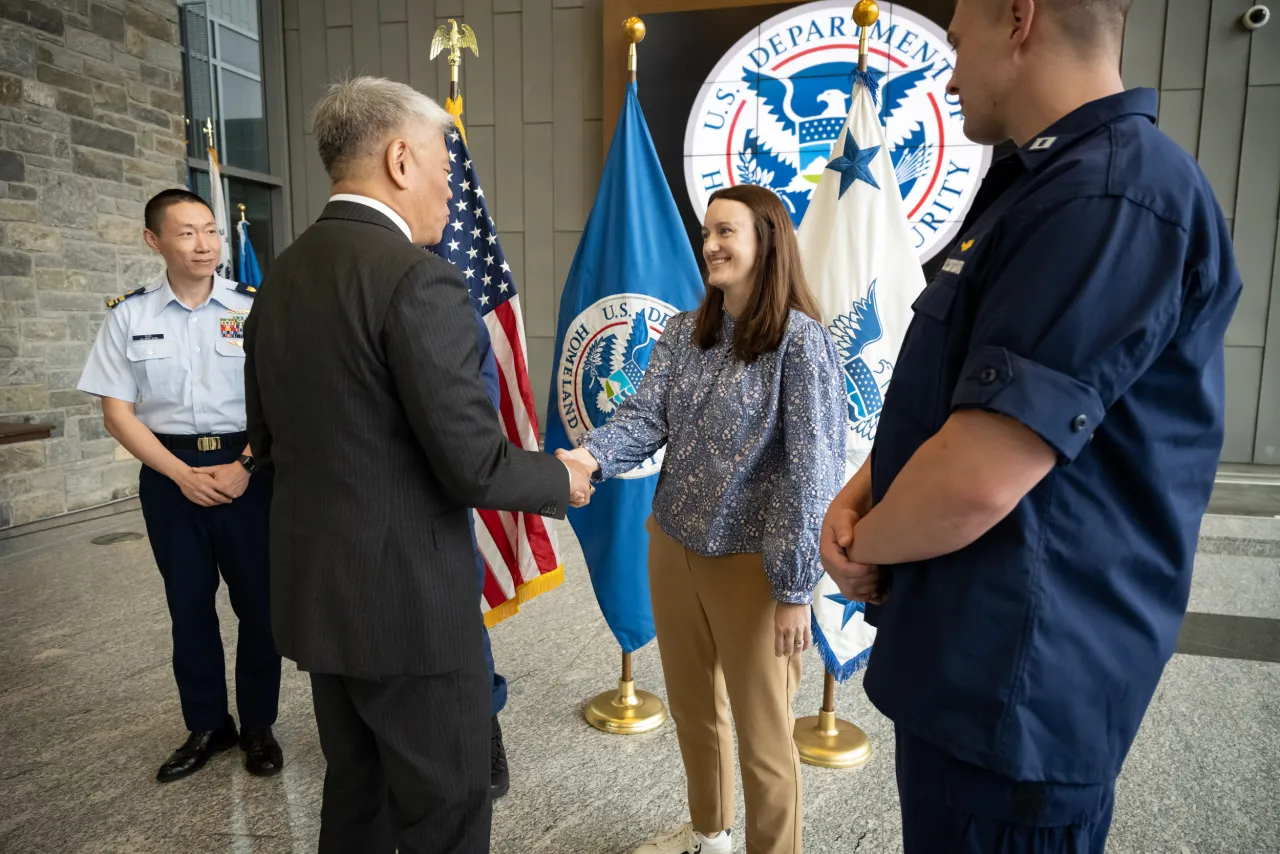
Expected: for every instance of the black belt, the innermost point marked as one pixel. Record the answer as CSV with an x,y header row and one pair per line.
x,y
213,442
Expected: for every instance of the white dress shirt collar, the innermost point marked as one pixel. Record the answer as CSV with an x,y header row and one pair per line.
x,y
378,206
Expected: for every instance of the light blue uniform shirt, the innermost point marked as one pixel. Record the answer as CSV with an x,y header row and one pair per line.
x,y
183,368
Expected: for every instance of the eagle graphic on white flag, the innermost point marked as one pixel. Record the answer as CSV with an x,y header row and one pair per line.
x,y
863,268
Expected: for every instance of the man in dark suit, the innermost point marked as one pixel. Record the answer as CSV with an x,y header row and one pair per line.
x,y
364,392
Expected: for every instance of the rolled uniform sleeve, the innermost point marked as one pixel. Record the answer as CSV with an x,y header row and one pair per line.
x,y
814,425
639,427
1073,317
108,373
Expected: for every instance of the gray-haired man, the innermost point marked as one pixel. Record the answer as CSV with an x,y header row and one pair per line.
x,y
364,391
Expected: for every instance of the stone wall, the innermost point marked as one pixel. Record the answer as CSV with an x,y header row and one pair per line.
x,y
90,127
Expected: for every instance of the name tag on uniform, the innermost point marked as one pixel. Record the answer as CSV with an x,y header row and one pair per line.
x,y
233,326
153,337
952,265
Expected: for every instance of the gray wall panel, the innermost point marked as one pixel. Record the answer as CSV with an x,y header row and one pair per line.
x,y
337,13
1267,442
1180,117
1244,376
592,63
299,139
541,356
395,51
1264,55
367,50
422,26
289,9
1185,44
1143,53
506,6
539,250
509,128
537,60
449,9
392,11
338,53
1256,212
1222,116
569,137
592,166
477,71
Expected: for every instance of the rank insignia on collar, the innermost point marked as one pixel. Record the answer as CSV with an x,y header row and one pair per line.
x,y
964,247
115,301
232,326
249,290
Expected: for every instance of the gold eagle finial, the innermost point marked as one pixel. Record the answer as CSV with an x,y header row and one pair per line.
x,y
455,40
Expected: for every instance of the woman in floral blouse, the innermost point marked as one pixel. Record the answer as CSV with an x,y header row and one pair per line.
x,y
746,394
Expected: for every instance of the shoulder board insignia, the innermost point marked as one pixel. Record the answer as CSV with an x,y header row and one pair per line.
x,y
115,301
242,288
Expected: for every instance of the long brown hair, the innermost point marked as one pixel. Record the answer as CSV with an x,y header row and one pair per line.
x,y
779,281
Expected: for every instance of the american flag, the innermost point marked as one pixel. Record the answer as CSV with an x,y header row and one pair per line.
x,y
520,551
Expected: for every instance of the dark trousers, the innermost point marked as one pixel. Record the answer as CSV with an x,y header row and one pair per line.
x,y
408,763
191,545
498,685
951,807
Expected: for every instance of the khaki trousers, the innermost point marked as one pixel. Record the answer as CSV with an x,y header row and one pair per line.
x,y
714,619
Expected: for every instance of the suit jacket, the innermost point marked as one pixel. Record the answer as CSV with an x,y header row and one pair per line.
x,y
364,392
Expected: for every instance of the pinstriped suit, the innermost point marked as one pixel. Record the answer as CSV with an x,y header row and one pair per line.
x,y
364,392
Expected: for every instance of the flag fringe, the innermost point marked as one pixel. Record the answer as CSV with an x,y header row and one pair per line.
x,y
453,106
840,672
544,583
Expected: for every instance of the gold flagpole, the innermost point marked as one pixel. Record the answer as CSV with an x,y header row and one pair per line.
x,y
455,40
627,711
825,740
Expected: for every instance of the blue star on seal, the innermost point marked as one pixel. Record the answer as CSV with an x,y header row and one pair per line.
x,y
854,164
850,608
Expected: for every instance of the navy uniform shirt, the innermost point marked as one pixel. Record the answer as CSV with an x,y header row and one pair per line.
x,y
1087,297
182,368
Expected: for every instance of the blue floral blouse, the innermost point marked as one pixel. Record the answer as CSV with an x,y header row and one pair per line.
x,y
754,452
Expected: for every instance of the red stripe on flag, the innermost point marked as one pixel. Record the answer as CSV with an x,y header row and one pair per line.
x,y
493,592
540,543
507,318
499,534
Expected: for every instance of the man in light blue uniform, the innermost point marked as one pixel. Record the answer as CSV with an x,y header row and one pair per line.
x,y
168,365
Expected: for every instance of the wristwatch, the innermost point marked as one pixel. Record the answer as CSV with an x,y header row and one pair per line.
x,y
249,463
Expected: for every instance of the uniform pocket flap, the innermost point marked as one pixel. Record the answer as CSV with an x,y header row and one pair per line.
x,y
141,351
936,299
227,347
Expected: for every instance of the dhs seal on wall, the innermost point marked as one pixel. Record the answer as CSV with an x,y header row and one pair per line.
x,y
605,355
774,105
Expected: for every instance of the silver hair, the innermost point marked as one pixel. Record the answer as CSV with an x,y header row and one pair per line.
x,y
355,115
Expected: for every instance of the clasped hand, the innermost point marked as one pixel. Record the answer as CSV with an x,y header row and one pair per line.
x,y
581,467
859,582
213,485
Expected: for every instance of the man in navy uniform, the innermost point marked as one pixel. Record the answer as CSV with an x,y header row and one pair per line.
x,y
499,775
168,365
1029,514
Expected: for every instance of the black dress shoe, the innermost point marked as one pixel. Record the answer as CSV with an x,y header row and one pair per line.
x,y
262,754
191,756
499,776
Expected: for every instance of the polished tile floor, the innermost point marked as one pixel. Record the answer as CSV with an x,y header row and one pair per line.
x,y
88,710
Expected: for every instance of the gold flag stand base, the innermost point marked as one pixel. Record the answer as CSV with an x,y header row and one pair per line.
x,y
828,742
626,711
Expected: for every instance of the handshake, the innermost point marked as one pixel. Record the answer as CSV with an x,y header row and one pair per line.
x,y
858,582
581,467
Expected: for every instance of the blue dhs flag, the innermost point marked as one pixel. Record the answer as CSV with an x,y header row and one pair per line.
x,y
247,269
633,271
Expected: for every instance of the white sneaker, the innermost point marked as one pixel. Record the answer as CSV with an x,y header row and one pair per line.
x,y
685,840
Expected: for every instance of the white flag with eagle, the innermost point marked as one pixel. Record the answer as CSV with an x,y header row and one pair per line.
x,y
862,265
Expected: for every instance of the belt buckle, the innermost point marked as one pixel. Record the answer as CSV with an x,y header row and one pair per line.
x,y
209,443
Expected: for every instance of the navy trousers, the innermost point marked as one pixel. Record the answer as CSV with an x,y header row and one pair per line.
x,y
951,807
192,544
498,685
